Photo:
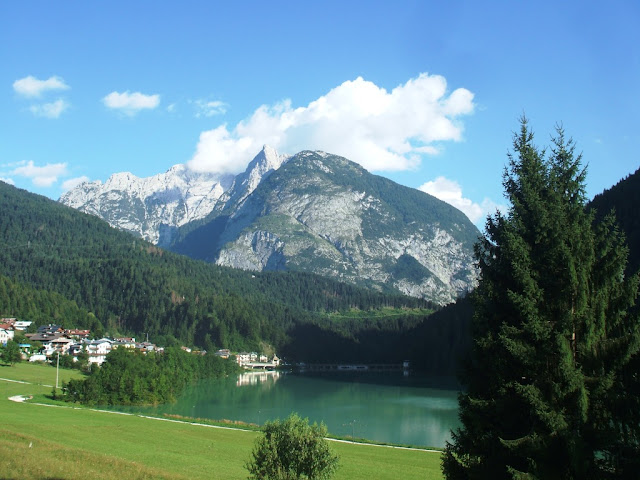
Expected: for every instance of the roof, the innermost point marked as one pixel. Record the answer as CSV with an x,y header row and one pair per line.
x,y
61,340
76,331
97,342
44,337
51,327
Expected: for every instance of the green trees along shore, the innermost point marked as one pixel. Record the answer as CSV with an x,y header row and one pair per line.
x,y
132,378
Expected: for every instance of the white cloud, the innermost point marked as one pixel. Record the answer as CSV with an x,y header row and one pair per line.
x,y
450,191
210,108
218,152
44,176
381,130
30,86
49,110
74,182
131,103
7,180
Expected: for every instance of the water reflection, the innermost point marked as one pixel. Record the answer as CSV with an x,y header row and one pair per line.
x,y
381,407
265,378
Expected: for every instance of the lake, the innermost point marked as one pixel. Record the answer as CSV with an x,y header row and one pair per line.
x,y
384,407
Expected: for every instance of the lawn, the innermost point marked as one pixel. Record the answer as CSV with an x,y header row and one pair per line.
x,y
59,442
37,373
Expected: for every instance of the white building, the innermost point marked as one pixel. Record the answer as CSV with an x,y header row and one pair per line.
x,y
124,342
61,344
21,325
98,350
6,334
243,358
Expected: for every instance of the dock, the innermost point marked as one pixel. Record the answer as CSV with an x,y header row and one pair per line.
x,y
360,367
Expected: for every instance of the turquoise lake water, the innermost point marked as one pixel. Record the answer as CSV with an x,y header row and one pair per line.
x,y
390,407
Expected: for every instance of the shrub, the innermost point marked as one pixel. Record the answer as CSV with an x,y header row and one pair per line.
x,y
292,449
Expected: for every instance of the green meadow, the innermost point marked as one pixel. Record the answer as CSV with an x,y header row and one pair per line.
x,y
56,441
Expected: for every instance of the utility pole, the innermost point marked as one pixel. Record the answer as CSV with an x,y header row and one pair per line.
x,y
57,369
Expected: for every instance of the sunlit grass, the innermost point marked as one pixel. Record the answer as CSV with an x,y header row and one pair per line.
x,y
384,312
32,457
61,442
37,373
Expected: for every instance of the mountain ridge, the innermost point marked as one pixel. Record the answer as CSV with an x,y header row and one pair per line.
x,y
324,214
152,207
121,283
312,212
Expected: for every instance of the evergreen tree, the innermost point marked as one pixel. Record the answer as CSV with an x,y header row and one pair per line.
x,y
552,331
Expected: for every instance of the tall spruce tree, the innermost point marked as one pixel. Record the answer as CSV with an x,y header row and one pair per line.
x,y
546,388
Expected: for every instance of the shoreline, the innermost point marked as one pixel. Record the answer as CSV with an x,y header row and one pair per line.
x,y
23,399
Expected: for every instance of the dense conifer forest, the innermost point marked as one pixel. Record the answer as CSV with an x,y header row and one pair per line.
x,y
624,200
59,265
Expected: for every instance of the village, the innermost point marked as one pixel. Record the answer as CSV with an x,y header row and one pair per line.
x,y
52,341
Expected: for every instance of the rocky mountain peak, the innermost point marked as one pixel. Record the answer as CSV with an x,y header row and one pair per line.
x,y
324,214
152,207
312,212
263,164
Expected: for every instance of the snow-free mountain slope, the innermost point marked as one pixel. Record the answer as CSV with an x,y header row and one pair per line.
x,y
263,165
322,213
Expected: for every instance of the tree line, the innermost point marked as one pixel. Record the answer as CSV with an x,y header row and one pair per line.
x,y
129,377
62,265
623,200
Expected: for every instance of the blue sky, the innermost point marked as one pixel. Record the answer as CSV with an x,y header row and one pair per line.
x,y
425,93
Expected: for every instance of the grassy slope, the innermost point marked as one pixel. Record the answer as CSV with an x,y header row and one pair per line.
x,y
81,443
381,313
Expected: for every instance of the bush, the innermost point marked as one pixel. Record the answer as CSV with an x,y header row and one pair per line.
x,y
292,449
11,353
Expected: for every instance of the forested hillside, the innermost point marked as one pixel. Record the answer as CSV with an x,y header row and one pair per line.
x,y
436,344
42,307
624,199
58,264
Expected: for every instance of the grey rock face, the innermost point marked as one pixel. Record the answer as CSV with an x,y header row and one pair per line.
x,y
321,213
155,207
312,212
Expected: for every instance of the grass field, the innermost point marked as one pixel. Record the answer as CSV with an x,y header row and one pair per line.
x,y
53,442
384,312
